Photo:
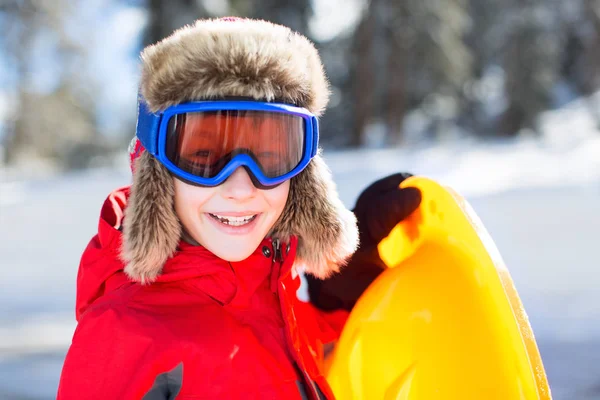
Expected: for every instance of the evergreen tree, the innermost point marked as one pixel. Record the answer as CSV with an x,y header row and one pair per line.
x,y
406,52
57,123
164,16
531,58
591,39
580,65
337,122
292,13
484,41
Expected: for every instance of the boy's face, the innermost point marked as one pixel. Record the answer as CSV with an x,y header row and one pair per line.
x,y
231,219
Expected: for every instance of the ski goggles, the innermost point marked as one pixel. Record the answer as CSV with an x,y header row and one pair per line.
x,y
204,142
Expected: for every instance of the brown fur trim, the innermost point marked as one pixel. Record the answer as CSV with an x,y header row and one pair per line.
x,y
151,229
326,230
218,58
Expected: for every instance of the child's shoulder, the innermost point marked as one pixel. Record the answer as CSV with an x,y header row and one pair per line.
x,y
145,307
165,317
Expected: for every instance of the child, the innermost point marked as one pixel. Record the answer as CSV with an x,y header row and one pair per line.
x,y
189,288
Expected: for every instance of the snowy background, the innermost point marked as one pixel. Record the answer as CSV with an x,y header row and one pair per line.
x,y
539,199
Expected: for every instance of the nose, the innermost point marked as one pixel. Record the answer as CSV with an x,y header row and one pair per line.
x,y
239,186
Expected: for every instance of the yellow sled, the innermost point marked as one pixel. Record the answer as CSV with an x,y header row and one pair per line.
x,y
444,322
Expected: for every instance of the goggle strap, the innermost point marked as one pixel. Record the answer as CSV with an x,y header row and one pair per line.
x,y
147,127
315,132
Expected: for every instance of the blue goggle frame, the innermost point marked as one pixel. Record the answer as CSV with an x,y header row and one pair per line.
x,y
152,128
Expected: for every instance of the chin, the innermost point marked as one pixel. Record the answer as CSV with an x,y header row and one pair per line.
x,y
239,254
234,257
231,247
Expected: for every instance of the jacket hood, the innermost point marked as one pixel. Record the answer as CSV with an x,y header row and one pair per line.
x,y
100,268
101,271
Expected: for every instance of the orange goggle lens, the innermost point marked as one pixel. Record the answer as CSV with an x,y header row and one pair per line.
x,y
203,143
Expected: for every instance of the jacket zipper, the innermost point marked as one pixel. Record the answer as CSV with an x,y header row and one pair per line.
x,y
311,385
276,265
277,257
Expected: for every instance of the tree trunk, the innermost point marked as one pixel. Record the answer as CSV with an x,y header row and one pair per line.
x,y
168,15
364,82
396,95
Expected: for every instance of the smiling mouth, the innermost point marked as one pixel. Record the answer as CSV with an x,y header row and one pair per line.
x,y
234,221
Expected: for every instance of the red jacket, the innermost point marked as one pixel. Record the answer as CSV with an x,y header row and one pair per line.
x,y
206,329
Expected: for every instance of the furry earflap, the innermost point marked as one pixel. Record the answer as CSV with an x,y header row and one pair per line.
x,y
214,59
326,230
151,229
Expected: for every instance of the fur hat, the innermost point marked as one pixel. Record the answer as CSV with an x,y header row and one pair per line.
x,y
215,59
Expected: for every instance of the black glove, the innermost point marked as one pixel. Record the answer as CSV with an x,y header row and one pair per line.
x,y
379,208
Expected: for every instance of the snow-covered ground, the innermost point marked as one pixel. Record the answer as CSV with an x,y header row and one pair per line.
x,y
539,199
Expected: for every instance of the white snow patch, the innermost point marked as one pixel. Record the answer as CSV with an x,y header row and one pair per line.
x,y
216,7
334,17
47,332
476,169
12,193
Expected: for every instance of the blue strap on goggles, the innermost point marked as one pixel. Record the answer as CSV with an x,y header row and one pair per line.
x,y
204,142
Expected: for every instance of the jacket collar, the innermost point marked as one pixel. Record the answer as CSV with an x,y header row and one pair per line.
x,y
226,282
229,283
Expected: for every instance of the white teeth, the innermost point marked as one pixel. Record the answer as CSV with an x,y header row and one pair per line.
x,y
233,221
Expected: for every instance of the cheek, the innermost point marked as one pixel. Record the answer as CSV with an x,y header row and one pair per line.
x,y
278,197
188,199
